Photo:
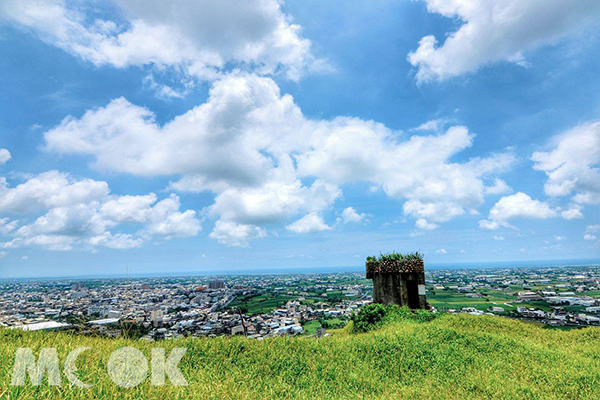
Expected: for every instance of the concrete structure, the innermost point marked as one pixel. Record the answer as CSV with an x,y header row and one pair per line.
x,y
42,326
216,285
105,321
398,282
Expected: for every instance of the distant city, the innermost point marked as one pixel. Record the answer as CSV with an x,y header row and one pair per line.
x,y
275,305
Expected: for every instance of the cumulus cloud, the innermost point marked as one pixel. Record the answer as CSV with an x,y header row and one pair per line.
x,y
441,251
499,187
308,224
433,125
267,163
590,232
349,214
220,141
572,213
233,234
572,166
165,219
117,241
197,38
7,226
83,212
283,195
572,170
417,169
422,223
128,208
520,205
47,190
4,156
496,31
490,225
437,211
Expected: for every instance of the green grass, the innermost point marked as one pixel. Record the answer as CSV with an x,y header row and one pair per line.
x,y
395,256
451,357
445,299
262,304
311,327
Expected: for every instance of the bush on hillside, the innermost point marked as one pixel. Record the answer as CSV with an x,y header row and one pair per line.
x,y
368,317
373,316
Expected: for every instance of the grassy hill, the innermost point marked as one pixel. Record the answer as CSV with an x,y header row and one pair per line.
x,y
451,357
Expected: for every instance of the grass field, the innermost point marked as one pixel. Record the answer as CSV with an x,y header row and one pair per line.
x,y
263,303
451,357
267,302
443,300
311,327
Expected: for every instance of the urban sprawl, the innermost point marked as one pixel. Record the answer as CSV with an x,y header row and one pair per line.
x,y
276,305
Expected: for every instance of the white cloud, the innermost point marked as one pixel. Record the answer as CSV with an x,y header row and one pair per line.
x,y
255,150
422,223
520,205
220,141
560,238
47,190
349,214
232,234
494,164
489,225
590,231
572,213
592,228
74,221
4,156
572,165
499,187
128,208
308,224
441,251
280,197
496,31
49,242
83,213
165,219
432,125
499,238
435,211
417,169
7,226
3,254
118,241
197,38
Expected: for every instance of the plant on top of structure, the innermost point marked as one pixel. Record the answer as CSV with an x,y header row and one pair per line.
x,y
394,256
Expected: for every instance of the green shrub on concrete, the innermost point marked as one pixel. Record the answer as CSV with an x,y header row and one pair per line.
x,y
396,257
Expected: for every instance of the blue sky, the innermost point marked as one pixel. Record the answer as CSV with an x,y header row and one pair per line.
x,y
203,136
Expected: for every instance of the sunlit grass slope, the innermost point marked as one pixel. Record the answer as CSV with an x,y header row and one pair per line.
x,y
452,357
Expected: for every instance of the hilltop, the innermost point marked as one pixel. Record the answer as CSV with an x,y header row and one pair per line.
x,y
452,356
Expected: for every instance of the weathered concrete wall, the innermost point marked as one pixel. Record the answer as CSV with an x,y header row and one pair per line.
x,y
387,289
394,288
